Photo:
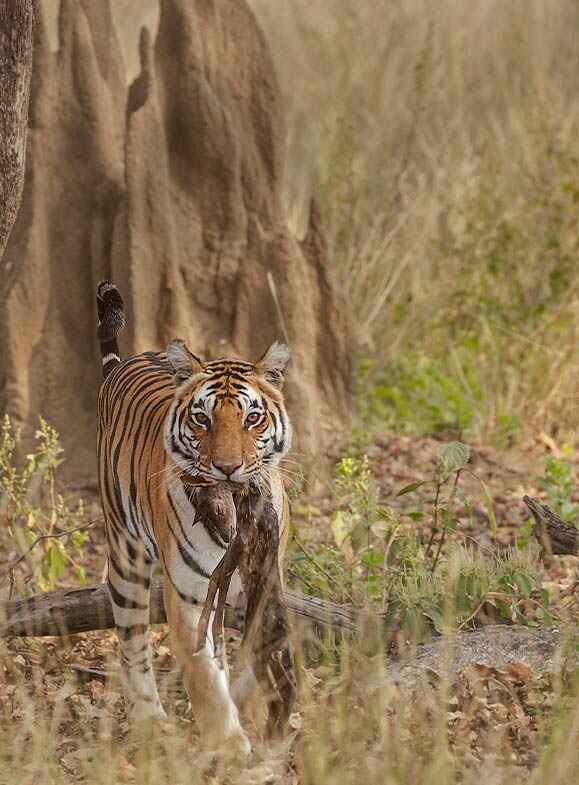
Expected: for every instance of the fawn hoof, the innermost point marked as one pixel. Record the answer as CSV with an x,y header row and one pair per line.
x,y
145,713
235,745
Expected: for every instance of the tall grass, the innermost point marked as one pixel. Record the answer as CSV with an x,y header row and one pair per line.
x,y
442,140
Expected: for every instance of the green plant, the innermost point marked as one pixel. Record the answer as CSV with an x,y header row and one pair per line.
x,y
38,521
445,161
351,568
469,586
453,590
559,484
417,395
411,562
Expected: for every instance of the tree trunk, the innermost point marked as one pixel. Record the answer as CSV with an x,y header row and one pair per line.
x,y
15,71
173,188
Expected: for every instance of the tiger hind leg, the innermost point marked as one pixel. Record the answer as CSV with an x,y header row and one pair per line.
x,y
129,589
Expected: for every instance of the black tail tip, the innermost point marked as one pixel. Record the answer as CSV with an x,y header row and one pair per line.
x,y
108,298
108,291
110,309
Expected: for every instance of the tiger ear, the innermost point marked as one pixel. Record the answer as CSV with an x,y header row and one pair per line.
x,y
273,363
182,361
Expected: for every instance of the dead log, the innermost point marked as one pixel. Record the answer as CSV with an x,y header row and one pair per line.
x,y
554,535
70,611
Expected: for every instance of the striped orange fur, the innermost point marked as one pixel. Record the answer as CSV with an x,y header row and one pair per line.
x,y
165,420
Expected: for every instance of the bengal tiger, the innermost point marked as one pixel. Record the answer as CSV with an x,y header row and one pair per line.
x,y
167,420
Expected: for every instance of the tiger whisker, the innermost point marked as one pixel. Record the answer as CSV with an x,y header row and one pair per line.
x,y
167,474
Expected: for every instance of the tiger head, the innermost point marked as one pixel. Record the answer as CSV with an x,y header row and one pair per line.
x,y
228,420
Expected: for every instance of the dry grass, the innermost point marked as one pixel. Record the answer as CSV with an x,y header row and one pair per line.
x,y
354,725
354,721
442,139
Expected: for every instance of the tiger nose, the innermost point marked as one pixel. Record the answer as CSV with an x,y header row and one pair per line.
x,y
228,468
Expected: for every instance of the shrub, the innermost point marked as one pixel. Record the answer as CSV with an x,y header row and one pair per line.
x,y
411,564
47,533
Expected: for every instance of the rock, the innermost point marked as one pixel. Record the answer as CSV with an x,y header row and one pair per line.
x,y
495,645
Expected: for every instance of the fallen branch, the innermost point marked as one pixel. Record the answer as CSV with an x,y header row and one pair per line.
x,y
70,611
554,535
87,609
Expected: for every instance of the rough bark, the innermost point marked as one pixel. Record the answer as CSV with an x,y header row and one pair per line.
x,y
16,17
173,188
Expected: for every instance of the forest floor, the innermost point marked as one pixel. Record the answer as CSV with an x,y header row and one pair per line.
x,y
62,716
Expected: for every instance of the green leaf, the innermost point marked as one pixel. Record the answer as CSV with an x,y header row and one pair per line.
x,y
372,559
523,583
448,521
56,562
387,514
342,526
453,456
545,597
410,488
359,536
